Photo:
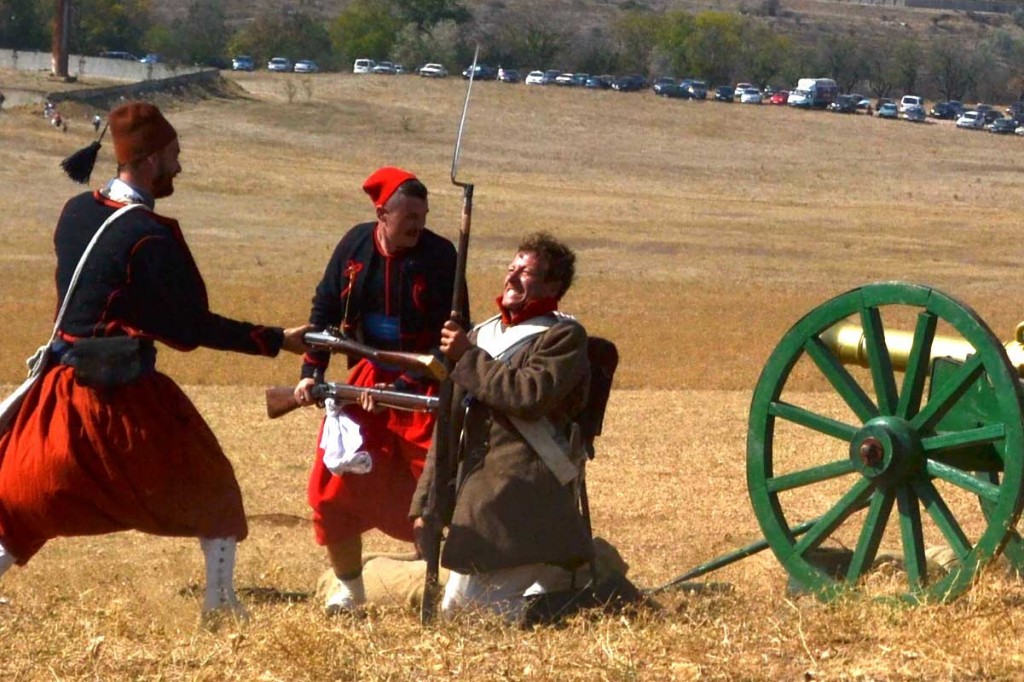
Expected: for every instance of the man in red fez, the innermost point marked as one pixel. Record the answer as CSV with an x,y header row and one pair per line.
x,y
103,441
388,284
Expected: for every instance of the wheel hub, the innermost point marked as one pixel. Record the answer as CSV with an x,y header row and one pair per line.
x,y
887,450
872,452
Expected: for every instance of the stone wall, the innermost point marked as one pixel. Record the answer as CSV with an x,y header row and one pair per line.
x,y
80,66
140,78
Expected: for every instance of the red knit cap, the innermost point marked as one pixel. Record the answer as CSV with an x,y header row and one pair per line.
x,y
139,129
383,182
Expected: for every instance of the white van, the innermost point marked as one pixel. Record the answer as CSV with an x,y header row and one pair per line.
x,y
910,101
363,66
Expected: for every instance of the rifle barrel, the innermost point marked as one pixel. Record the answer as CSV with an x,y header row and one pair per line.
x,y
398,400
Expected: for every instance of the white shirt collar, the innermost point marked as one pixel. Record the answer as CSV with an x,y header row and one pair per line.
x,y
120,191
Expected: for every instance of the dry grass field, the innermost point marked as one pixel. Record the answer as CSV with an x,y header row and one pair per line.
x,y
704,232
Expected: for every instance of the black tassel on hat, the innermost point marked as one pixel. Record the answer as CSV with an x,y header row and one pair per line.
x,y
79,165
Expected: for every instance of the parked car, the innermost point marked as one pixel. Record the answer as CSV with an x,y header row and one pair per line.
x,y
483,73
281,64
119,54
400,69
862,101
433,70
508,75
699,89
243,63
915,113
629,84
888,110
384,69
363,66
740,87
599,82
1015,110
950,110
971,120
882,101
537,78
306,66
844,104
987,112
1003,126
910,101
663,82
750,96
564,79
674,91
779,97
724,93
151,58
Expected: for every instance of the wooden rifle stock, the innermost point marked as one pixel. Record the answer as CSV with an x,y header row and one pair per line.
x,y
333,340
281,399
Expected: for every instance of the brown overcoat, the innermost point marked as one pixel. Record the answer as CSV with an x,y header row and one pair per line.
x,y
510,510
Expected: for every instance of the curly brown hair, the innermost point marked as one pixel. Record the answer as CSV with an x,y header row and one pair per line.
x,y
559,259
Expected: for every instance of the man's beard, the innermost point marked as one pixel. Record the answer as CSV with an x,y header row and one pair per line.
x,y
163,184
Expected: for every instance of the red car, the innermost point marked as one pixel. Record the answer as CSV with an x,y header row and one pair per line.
x,y
780,97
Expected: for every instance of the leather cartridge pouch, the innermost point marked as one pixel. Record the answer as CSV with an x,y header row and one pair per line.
x,y
104,362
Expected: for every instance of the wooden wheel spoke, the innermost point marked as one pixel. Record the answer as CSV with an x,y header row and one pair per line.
x,y
948,394
870,534
917,366
878,359
805,477
962,479
913,538
810,420
958,439
852,501
847,388
942,516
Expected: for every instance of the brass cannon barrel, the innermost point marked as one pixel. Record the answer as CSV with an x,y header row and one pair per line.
x,y
849,343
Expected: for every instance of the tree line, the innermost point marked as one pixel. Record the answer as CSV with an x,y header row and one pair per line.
x,y
719,47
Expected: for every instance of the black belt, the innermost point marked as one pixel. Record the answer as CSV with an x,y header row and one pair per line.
x,y
104,362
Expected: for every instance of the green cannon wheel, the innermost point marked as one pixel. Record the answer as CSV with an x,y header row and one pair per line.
x,y
878,461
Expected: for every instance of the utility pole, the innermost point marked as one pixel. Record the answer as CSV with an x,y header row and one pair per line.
x,y
59,46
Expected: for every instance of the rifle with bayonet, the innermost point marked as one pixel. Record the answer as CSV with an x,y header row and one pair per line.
x,y
281,399
333,340
440,496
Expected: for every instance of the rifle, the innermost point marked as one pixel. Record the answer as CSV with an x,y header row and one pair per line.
x,y
440,497
333,340
281,399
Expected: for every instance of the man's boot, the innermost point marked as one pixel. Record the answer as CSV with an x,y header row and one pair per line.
x,y
220,601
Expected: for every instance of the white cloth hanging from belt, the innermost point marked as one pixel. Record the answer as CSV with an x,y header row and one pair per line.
x,y
342,442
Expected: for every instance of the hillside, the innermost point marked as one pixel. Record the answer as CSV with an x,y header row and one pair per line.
x,y
793,16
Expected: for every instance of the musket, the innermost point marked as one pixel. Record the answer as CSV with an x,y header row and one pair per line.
x,y
440,496
331,339
281,399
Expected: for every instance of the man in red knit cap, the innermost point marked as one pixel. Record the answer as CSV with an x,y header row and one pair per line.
x,y
103,442
388,284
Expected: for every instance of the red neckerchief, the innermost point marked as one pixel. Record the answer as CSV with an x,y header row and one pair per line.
x,y
534,308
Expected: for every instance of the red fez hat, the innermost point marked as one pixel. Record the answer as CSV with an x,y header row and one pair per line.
x,y
383,182
138,129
